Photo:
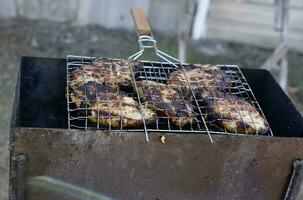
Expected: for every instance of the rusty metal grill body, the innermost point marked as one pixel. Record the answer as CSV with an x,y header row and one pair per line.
x,y
159,72
122,166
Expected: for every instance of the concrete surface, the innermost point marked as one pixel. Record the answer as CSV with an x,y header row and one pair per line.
x,y
4,163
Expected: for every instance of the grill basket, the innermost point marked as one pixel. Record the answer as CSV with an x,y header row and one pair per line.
x,y
159,72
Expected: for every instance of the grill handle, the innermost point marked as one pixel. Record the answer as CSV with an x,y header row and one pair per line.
x,y
141,23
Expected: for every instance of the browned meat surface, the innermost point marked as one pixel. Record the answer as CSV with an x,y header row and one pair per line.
x,y
232,113
110,106
112,73
96,86
199,76
166,101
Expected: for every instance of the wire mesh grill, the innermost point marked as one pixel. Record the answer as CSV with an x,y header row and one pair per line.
x,y
237,90
103,93
159,73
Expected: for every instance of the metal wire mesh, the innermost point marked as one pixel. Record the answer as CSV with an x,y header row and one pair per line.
x,y
238,90
159,73
84,109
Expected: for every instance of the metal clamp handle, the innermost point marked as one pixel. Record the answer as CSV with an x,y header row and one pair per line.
x,y
146,38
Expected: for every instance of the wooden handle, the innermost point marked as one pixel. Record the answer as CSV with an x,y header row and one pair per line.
x,y
141,23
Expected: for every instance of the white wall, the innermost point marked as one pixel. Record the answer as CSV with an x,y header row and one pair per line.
x,y
110,13
58,10
7,8
246,21
252,22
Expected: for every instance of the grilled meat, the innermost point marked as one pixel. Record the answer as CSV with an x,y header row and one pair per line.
x,y
112,73
232,113
166,101
110,106
96,87
199,76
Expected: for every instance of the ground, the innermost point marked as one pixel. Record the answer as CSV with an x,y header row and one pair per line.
x,y
49,39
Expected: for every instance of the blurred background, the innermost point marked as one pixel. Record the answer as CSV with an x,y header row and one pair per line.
x,y
250,33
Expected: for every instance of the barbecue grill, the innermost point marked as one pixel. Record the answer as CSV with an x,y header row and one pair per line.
x,y
55,154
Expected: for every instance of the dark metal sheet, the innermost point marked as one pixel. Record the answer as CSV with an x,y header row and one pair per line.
x,y
124,166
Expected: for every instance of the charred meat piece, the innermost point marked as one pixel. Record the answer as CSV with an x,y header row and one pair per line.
x,y
110,106
166,101
199,76
112,73
232,113
123,73
97,72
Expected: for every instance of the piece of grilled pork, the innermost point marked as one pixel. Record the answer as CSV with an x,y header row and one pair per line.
x,y
231,113
110,106
166,101
112,73
208,77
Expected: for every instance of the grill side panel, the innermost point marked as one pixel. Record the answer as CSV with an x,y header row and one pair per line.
x,y
123,166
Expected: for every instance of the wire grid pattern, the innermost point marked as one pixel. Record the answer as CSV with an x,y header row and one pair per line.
x,y
237,89
159,73
79,117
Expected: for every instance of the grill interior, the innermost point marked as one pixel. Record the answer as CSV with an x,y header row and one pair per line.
x,y
159,72
40,99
